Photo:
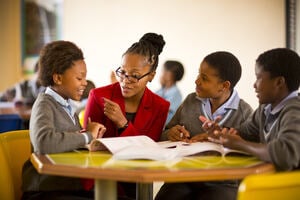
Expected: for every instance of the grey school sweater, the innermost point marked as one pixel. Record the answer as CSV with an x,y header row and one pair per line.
x,y
283,142
191,108
51,131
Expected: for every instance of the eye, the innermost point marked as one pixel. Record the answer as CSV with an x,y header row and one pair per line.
x,y
135,76
122,72
78,78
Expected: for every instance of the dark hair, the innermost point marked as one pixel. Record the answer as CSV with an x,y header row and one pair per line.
x,y
227,65
282,62
150,46
55,58
90,85
176,68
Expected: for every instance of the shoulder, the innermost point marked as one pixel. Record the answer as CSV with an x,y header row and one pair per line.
x,y
191,98
244,105
45,100
106,91
155,99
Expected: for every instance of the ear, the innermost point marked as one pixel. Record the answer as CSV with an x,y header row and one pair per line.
x,y
151,76
226,85
280,81
57,79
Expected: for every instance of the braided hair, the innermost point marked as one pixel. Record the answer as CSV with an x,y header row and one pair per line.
x,y
149,46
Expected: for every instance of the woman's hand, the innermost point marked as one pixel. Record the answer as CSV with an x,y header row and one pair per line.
x,y
113,111
178,133
96,129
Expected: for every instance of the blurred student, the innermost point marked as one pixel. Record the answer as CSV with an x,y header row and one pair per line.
x,y
80,106
172,73
54,126
25,91
272,134
128,107
215,97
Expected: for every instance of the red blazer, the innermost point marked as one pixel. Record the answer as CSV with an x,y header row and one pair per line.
x,y
149,120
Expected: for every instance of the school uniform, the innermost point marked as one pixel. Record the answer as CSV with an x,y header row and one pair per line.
x,y
234,112
54,128
172,95
279,128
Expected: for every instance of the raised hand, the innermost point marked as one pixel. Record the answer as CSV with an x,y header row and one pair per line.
x,y
113,111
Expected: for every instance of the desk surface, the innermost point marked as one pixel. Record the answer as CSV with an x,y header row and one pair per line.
x,y
99,165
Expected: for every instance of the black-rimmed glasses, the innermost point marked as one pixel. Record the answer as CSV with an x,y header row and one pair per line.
x,y
132,78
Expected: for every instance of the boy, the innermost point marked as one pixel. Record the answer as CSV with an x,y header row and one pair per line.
x,y
214,97
272,134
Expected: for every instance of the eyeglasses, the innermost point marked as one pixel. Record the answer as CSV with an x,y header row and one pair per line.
x,y
133,79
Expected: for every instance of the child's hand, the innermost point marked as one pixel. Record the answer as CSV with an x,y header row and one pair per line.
x,y
227,137
201,137
96,129
210,125
178,133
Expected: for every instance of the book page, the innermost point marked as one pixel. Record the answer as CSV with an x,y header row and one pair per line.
x,y
115,144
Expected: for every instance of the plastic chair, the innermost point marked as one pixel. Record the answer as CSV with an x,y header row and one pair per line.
x,y
278,186
15,149
81,117
10,122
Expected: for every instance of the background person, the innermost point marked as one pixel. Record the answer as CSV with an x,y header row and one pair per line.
x,y
172,72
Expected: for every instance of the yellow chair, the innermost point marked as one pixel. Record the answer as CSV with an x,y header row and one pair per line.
x,y
81,117
15,149
277,186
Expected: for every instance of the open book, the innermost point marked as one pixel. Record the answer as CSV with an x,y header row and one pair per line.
x,y
143,147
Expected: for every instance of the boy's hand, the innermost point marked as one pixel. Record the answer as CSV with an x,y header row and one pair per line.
x,y
178,133
210,126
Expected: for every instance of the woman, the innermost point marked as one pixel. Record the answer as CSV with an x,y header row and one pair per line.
x,y
128,107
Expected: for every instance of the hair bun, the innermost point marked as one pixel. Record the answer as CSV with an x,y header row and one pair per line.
x,y
156,40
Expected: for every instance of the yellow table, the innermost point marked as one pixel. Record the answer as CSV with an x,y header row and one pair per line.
x,y
106,171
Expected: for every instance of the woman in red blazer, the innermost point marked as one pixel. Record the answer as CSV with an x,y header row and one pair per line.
x,y
128,107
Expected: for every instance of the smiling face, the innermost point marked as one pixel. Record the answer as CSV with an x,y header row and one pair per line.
x,y
208,82
72,82
134,65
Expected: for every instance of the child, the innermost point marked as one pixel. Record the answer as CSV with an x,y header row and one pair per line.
x,y
54,127
128,107
214,97
272,134
172,73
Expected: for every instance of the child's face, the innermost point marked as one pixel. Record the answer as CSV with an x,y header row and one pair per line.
x,y
134,65
208,83
166,77
72,82
265,86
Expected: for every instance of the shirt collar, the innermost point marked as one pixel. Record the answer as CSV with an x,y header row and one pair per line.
x,y
231,103
268,109
63,102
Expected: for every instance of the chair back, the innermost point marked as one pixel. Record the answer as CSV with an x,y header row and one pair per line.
x,y
15,149
277,186
9,122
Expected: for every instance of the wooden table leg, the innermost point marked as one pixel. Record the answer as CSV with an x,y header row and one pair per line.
x,y
105,189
